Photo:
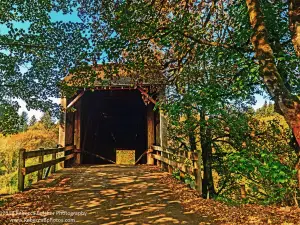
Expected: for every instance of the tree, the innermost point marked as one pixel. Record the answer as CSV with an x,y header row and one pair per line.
x,y
294,24
9,119
47,121
32,121
259,39
23,121
37,52
287,103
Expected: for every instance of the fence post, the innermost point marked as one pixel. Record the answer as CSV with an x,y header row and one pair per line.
x,y
170,169
41,161
53,169
198,180
243,191
21,166
158,163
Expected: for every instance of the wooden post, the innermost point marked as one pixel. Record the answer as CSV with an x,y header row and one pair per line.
x,y
150,131
21,166
53,169
198,180
62,126
157,127
163,138
158,163
62,123
41,161
243,191
77,132
170,169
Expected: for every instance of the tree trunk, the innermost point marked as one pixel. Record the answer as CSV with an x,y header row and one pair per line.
x,y
288,104
206,141
294,24
192,141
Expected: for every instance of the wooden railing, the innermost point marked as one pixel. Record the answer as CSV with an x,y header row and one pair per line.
x,y
185,161
24,170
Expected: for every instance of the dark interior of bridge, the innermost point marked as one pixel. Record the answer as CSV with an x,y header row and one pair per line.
x,y
112,120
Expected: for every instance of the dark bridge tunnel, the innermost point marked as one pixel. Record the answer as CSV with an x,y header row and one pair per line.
x,y
112,120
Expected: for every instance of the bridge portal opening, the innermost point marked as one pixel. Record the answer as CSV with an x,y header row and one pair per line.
x,y
111,120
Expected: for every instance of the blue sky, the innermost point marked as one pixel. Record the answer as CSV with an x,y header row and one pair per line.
x,y
74,18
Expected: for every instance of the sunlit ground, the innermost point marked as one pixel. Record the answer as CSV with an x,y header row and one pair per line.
x,y
112,194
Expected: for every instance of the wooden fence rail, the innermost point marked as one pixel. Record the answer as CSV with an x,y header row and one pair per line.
x,y
41,153
185,161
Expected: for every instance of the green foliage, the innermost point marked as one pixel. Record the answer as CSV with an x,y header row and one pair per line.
x,y
201,49
47,120
249,147
32,121
176,174
266,110
23,122
36,52
9,118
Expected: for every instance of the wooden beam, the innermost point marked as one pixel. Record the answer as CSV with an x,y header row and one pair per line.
x,y
180,166
62,123
31,169
75,100
179,153
77,132
21,177
163,136
147,96
41,162
150,132
37,153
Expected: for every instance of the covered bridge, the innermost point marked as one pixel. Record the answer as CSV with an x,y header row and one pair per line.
x,y
111,119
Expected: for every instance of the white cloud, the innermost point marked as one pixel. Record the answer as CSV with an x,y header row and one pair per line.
x,y
36,113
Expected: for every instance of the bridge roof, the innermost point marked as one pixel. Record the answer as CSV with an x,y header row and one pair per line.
x,y
113,76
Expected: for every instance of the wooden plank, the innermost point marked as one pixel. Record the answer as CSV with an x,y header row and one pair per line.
x,y
180,166
158,163
75,99
157,127
53,169
70,156
150,132
70,125
62,123
146,94
68,148
37,153
31,169
77,132
41,161
20,174
157,148
190,155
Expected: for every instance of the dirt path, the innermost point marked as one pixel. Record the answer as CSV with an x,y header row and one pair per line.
x,y
103,195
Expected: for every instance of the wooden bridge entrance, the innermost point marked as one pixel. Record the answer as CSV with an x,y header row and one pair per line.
x,y
105,121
